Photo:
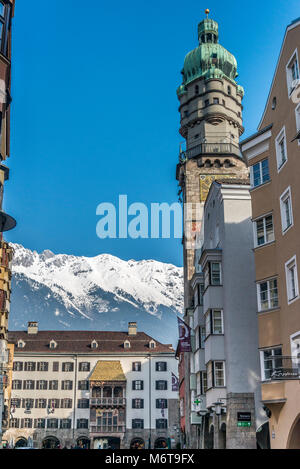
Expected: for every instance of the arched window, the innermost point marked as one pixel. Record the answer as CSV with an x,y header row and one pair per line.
x,y
197,89
229,90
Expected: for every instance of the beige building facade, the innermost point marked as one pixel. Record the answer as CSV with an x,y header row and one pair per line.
x,y
273,155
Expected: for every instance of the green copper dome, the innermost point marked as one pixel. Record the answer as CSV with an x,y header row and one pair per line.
x,y
209,59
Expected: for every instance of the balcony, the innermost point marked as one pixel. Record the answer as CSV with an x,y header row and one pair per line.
x,y
211,149
116,429
107,401
282,368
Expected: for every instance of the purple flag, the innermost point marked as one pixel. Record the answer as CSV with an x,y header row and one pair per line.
x,y
175,383
184,336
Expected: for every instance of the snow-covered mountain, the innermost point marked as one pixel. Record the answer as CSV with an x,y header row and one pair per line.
x,y
103,292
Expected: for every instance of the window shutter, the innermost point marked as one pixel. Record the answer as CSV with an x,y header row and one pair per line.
x,y
22,423
133,385
133,403
142,385
211,321
213,373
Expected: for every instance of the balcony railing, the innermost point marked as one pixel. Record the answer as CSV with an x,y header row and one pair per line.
x,y
282,368
107,401
115,429
211,149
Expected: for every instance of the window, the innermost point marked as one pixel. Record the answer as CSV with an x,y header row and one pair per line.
x,y
136,366
264,231
16,403
138,385
67,385
137,403
161,385
206,102
161,366
259,173
202,337
83,385
292,72
199,294
42,366
14,423
53,385
138,423
17,384
42,385
214,322
28,384
291,280
83,403
267,294
219,374
53,344
27,404
152,344
84,366
66,404
55,366
39,423
217,322
4,26
29,366
161,403
52,423
270,361
229,90
126,344
94,344
203,375
18,366
26,423
67,367
65,423
161,424
286,210
82,423
216,100
274,103
280,147
215,273
53,403
40,403
196,89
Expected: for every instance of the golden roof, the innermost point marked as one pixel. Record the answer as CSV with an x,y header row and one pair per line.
x,y
108,371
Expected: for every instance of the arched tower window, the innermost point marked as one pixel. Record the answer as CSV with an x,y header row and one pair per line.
x,y
196,89
229,90
209,37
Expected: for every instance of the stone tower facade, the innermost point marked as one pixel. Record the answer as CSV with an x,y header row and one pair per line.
x,y
211,124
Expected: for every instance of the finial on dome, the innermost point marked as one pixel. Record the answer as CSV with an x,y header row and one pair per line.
x,y
207,12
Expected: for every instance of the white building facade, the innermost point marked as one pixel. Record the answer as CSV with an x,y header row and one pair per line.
x,y
92,389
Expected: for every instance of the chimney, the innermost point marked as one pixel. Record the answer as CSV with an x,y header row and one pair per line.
x,y
33,328
132,328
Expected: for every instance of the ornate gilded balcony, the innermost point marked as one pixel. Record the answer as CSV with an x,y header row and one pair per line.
x,y
107,401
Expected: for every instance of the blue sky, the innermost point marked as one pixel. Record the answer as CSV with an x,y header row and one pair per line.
x,y
95,112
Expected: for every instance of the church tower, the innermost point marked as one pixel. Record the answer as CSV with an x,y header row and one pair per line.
x,y
211,125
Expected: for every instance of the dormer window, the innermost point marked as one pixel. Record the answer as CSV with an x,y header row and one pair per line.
x,y
21,344
152,344
127,344
53,345
94,344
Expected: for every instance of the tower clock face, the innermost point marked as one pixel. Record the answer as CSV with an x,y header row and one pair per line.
x,y
206,181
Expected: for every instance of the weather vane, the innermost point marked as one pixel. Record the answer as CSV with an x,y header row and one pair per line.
x,y
207,12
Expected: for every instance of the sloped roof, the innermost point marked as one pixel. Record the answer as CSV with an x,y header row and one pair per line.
x,y
108,371
80,342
